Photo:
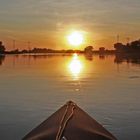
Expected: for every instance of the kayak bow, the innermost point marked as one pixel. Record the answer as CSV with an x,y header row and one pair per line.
x,y
69,123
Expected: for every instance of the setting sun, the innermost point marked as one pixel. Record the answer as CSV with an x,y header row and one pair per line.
x,y
75,38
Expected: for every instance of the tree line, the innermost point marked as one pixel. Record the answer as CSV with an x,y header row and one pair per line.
x,y
2,48
132,47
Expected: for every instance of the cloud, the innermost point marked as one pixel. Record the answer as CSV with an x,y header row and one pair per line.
x,y
105,17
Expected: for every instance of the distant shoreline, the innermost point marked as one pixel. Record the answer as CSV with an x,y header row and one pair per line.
x,y
112,52
61,52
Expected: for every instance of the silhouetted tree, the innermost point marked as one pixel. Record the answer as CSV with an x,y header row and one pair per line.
x,y
133,47
15,51
135,44
119,47
101,50
24,51
2,47
88,49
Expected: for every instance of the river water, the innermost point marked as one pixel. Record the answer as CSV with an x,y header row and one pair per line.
x,y
32,87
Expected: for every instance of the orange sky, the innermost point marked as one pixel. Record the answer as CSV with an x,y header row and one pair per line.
x,y
46,23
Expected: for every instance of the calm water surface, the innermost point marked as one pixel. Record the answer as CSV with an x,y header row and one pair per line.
x,y
33,87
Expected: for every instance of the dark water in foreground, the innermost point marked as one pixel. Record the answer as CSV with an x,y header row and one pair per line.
x,y
33,87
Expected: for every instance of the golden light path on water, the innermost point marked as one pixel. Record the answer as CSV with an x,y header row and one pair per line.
x,y
75,66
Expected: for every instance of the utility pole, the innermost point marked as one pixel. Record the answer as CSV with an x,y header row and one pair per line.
x,y
118,38
127,40
14,44
29,45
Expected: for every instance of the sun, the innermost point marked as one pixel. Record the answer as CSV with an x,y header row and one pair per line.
x,y
75,38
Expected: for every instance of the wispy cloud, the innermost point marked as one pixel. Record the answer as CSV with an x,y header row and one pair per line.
x,y
103,16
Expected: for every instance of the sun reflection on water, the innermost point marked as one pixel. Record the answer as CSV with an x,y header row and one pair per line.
x,y
75,66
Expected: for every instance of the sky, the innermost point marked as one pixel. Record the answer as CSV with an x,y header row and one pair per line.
x,y
46,23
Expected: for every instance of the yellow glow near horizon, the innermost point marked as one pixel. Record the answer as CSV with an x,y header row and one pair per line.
x,y
75,38
75,66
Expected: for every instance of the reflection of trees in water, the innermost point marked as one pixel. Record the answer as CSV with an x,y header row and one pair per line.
x,y
89,56
38,56
41,56
2,57
102,57
129,58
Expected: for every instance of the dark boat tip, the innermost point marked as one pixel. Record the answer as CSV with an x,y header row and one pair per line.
x,y
49,128
70,103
